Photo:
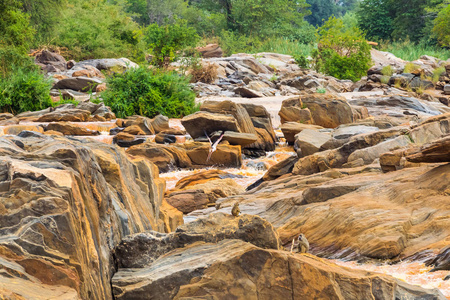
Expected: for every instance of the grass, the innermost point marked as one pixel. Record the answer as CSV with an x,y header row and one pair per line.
x,y
284,46
409,51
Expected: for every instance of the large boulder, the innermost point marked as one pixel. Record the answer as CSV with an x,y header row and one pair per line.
x,y
81,84
50,61
233,269
328,110
292,110
64,205
200,122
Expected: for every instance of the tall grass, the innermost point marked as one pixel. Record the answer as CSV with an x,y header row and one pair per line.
x,y
284,46
409,51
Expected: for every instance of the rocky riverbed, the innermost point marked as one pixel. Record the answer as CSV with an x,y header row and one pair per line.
x,y
95,207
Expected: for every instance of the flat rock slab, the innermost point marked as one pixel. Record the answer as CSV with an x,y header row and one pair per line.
x,y
290,129
344,132
437,151
309,141
234,138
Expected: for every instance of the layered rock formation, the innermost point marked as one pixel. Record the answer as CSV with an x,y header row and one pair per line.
x,y
64,205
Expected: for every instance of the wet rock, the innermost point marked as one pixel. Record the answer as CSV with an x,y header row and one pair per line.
x,y
212,270
200,122
164,138
309,141
70,129
282,168
225,155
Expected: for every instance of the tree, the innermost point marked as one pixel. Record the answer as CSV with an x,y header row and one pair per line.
x,y
321,10
15,29
342,53
441,27
375,19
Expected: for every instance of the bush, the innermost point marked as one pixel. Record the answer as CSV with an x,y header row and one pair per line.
x,y
206,73
148,93
166,42
24,89
342,53
441,27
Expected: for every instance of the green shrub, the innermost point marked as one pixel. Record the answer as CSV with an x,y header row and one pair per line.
x,y
387,70
149,92
441,27
24,89
410,67
437,73
15,29
166,42
232,43
302,61
342,53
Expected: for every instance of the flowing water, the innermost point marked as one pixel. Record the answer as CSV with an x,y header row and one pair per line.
x,y
413,272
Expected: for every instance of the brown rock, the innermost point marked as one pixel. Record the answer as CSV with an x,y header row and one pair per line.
x,y
199,122
293,110
100,88
290,129
328,110
16,129
187,201
70,129
69,115
224,156
210,50
134,130
436,151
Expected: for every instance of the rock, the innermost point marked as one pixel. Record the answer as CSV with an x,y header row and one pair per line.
x,y
65,115
12,121
187,201
234,138
81,84
200,122
160,123
328,110
202,177
145,124
123,139
282,168
345,131
212,271
70,64
52,59
210,50
140,250
110,65
431,129
292,110
225,155
247,92
101,88
174,131
166,157
164,138
447,89
369,154
87,71
65,204
70,129
310,141
17,129
290,129
436,151
134,130
6,116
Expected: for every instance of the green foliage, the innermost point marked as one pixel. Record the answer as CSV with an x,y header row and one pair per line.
x,y
321,10
24,89
97,29
409,51
302,61
410,67
321,90
441,27
167,41
342,53
375,19
149,92
387,70
15,29
437,73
